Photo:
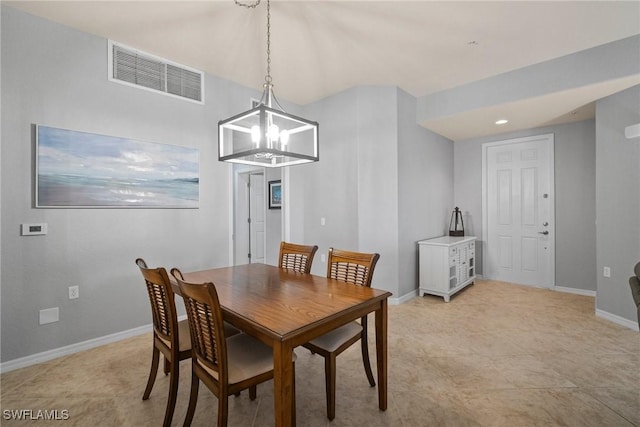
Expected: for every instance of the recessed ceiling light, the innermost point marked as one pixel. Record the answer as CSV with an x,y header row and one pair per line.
x,y
502,121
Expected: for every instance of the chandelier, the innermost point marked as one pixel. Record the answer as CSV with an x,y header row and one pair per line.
x,y
266,135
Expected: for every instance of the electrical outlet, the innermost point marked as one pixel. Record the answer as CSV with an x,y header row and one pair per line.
x,y
323,257
74,292
606,272
49,315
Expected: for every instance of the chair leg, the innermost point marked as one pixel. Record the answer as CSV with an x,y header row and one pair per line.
x,y
364,344
365,360
167,366
223,409
330,385
173,393
193,399
253,392
152,373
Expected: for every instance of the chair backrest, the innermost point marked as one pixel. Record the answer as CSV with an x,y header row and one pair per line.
x,y
208,340
351,267
162,299
297,257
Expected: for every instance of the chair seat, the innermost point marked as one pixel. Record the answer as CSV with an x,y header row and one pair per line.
x,y
246,358
184,339
230,330
334,339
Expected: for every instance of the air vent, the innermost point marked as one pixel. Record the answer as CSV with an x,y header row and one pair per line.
x,y
146,71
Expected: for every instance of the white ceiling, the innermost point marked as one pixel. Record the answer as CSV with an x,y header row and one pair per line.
x,y
319,48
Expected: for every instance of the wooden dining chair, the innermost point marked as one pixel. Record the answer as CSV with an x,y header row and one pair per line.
x,y
170,336
354,268
226,365
297,257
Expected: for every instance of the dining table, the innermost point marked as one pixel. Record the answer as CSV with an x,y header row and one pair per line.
x,y
284,309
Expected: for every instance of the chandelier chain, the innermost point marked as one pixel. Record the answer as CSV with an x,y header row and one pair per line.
x,y
267,78
248,5
253,5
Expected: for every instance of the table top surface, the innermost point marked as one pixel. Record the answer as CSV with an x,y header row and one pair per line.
x,y
281,301
447,240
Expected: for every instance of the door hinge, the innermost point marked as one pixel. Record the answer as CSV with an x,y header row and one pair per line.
x,y
249,256
249,220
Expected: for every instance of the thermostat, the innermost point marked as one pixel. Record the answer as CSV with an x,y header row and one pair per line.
x,y
33,229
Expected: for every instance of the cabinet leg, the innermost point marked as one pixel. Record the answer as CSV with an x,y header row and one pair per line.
x,y
446,298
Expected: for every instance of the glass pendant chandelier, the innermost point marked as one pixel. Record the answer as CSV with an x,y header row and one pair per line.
x,y
266,135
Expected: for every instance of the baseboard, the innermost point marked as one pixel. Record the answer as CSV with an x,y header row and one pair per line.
x,y
406,297
617,319
575,291
45,356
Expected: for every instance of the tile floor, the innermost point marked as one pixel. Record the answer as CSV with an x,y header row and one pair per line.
x,y
497,355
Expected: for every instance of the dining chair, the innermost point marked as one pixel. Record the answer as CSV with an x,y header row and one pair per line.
x,y
355,268
170,336
297,257
226,365
634,282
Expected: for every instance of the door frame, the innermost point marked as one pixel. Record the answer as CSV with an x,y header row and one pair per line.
x,y
549,139
235,172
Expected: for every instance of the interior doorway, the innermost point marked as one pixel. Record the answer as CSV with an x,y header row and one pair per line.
x,y
518,210
249,217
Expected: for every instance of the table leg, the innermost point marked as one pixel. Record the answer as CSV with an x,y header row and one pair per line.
x,y
381,354
283,384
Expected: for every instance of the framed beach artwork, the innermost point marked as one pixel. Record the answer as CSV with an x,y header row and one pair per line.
x,y
87,170
275,194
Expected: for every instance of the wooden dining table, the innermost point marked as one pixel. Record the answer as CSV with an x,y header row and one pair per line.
x,y
285,309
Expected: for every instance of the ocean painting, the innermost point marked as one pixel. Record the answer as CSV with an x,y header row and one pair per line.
x,y
80,169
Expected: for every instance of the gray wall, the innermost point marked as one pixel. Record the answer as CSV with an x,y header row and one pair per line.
x,y
617,200
354,162
425,189
328,189
575,178
57,76
377,173
382,183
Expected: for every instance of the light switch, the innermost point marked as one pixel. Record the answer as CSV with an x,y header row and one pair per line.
x,y
323,221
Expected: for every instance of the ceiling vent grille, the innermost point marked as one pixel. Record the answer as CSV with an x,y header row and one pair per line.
x,y
143,70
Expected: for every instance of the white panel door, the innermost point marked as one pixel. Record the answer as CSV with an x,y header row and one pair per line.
x,y
242,227
518,211
257,208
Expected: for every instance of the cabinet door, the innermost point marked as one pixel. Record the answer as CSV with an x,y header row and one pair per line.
x,y
464,273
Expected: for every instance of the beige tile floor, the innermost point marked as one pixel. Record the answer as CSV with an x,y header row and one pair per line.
x,y
497,355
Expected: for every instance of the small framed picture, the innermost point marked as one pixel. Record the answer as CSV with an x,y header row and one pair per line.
x,y
275,194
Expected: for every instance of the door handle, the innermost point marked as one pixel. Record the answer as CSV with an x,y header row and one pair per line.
x,y
545,232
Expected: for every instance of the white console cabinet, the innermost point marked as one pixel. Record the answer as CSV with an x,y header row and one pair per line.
x,y
447,264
